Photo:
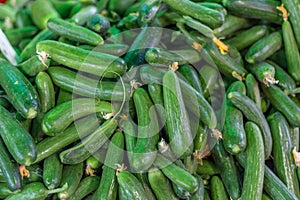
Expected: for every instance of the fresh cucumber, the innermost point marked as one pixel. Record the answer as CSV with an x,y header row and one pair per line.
x,y
86,186
98,23
218,191
264,73
52,172
83,15
45,91
34,65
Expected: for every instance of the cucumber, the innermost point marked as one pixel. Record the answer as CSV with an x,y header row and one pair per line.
x,y
78,84
207,168
61,116
86,186
254,171
148,129
199,195
131,186
107,189
143,178
15,36
52,172
92,62
71,176
264,48
11,174
179,131
80,129
14,82
282,156
16,138
215,6
234,136
120,7
98,23
201,28
176,174
74,32
113,49
218,191
209,78
34,65
283,103
64,7
82,17
45,91
254,114
264,73
253,90
200,139
36,174
5,191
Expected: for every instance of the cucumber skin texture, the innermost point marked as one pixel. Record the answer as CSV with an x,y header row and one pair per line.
x,y
60,117
176,174
143,178
45,91
283,103
191,76
14,82
81,17
264,48
85,187
253,90
179,131
252,113
107,189
282,147
74,32
18,141
5,191
52,172
76,58
131,186
82,85
160,185
33,65
255,162
217,189
10,170
15,36
291,50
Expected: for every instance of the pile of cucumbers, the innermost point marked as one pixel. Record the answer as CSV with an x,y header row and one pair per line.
x,y
150,99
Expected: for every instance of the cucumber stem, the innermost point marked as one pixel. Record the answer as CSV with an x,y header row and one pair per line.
x,y
285,14
57,190
24,172
223,48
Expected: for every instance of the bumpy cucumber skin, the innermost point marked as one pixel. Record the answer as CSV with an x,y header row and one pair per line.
x,y
45,90
85,187
217,189
52,172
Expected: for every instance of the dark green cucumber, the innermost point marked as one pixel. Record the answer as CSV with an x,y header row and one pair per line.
x,y
10,171
107,189
149,11
218,191
148,129
86,186
208,16
5,191
198,195
176,174
16,138
191,76
209,78
92,62
264,48
19,90
282,156
215,6
201,28
234,136
98,23
36,174
23,18
52,172
207,168
45,91
90,144
84,86
83,15
200,139
63,96
120,7
64,7
143,178
255,162
41,11
34,65
60,117
255,9
80,129
248,37
264,73
15,36
177,121
228,170
180,192
35,190
71,176
113,49
254,114
74,32
291,49
283,103
253,90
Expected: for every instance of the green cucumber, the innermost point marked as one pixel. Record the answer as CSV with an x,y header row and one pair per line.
x,y
52,172
63,96
209,78
71,176
79,84
19,90
283,103
5,191
254,171
82,17
45,91
64,7
92,62
18,141
107,189
215,6
177,121
98,23
234,136
15,36
34,65
201,28
143,178
148,129
86,186
282,156
218,191
120,7
200,139
264,73
253,90
80,129
113,49
11,174
207,168
176,174
254,114
61,116
264,48
36,174
199,195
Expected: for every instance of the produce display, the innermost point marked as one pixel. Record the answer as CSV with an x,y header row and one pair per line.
x,y
149,99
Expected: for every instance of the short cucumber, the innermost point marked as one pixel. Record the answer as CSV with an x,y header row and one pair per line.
x,y
253,90
218,191
23,18
255,162
264,73
143,178
113,49
98,23
209,77
74,32
92,62
64,7
207,168
45,91
14,82
52,172
5,191
34,65
192,76
15,36
199,195
215,6
83,15
200,139
61,116
86,186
